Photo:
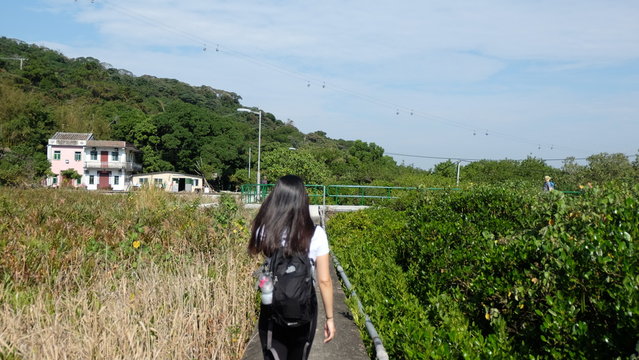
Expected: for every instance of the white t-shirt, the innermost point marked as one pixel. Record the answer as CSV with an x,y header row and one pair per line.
x,y
319,243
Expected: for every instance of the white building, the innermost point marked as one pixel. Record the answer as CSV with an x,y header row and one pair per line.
x,y
102,164
170,181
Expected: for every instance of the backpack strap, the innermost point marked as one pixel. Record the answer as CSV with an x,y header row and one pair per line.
x,y
272,260
269,340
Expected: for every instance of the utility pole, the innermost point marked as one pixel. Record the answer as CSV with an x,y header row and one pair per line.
x,y
21,59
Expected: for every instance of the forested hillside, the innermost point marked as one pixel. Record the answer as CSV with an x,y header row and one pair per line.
x,y
192,129
177,126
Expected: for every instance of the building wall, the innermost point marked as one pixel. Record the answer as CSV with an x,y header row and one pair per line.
x,y
67,160
119,171
116,170
168,181
119,181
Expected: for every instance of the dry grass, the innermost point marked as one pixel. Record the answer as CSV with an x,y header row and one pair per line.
x,y
109,300
151,314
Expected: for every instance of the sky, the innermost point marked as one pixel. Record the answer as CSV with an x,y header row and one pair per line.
x,y
491,79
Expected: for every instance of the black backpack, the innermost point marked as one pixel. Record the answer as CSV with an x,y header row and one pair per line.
x,y
294,292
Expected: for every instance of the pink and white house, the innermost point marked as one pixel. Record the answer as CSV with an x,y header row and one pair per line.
x,y
102,164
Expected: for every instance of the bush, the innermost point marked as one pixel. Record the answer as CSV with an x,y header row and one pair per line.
x,y
498,272
144,274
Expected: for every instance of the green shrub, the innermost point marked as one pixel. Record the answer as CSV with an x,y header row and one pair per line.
x,y
499,272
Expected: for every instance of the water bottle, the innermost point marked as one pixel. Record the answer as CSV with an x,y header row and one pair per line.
x,y
266,284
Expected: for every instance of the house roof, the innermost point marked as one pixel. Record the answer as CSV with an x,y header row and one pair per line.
x,y
72,136
167,173
110,143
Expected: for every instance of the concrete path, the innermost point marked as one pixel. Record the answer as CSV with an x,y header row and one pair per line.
x,y
347,344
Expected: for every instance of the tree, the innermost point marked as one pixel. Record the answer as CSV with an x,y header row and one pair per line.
x,y
241,177
604,167
572,174
68,176
446,169
152,162
127,123
22,166
337,161
283,161
366,152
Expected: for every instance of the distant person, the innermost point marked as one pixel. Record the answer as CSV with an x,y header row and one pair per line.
x,y
548,184
284,232
262,190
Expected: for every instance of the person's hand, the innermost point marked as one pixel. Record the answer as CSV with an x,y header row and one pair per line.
x,y
329,330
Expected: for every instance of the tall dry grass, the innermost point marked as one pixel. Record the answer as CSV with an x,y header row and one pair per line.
x,y
141,276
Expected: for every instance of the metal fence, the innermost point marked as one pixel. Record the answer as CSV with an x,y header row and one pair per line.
x,y
345,194
332,194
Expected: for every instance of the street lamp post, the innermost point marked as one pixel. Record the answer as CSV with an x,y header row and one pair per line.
x,y
259,142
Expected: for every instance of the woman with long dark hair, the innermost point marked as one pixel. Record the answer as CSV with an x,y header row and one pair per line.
x,y
283,225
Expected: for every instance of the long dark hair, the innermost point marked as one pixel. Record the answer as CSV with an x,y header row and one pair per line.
x,y
284,214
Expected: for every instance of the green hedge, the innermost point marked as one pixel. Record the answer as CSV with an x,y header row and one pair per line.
x,y
499,272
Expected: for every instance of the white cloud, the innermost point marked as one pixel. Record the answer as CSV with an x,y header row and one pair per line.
x,y
460,66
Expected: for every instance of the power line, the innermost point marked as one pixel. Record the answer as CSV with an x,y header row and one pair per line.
x,y
471,160
201,41
434,157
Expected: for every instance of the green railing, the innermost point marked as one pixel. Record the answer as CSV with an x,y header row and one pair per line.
x,y
345,194
572,192
333,194
341,194
253,193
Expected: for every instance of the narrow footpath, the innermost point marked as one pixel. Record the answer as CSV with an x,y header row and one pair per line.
x,y
347,344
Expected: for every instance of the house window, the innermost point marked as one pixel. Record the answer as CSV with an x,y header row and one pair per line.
x,y
91,179
55,180
78,156
142,181
116,180
56,155
197,182
79,181
115,156
94,155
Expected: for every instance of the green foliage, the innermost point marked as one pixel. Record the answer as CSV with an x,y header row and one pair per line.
x,y
84,228
531,170
22,166
68,176
241,176
499,272
446,169
227,210
604,167
283,161
601,168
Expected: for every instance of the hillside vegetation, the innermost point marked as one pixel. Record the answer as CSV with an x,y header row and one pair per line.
x,y
499,272
143,275
177,126
197,129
